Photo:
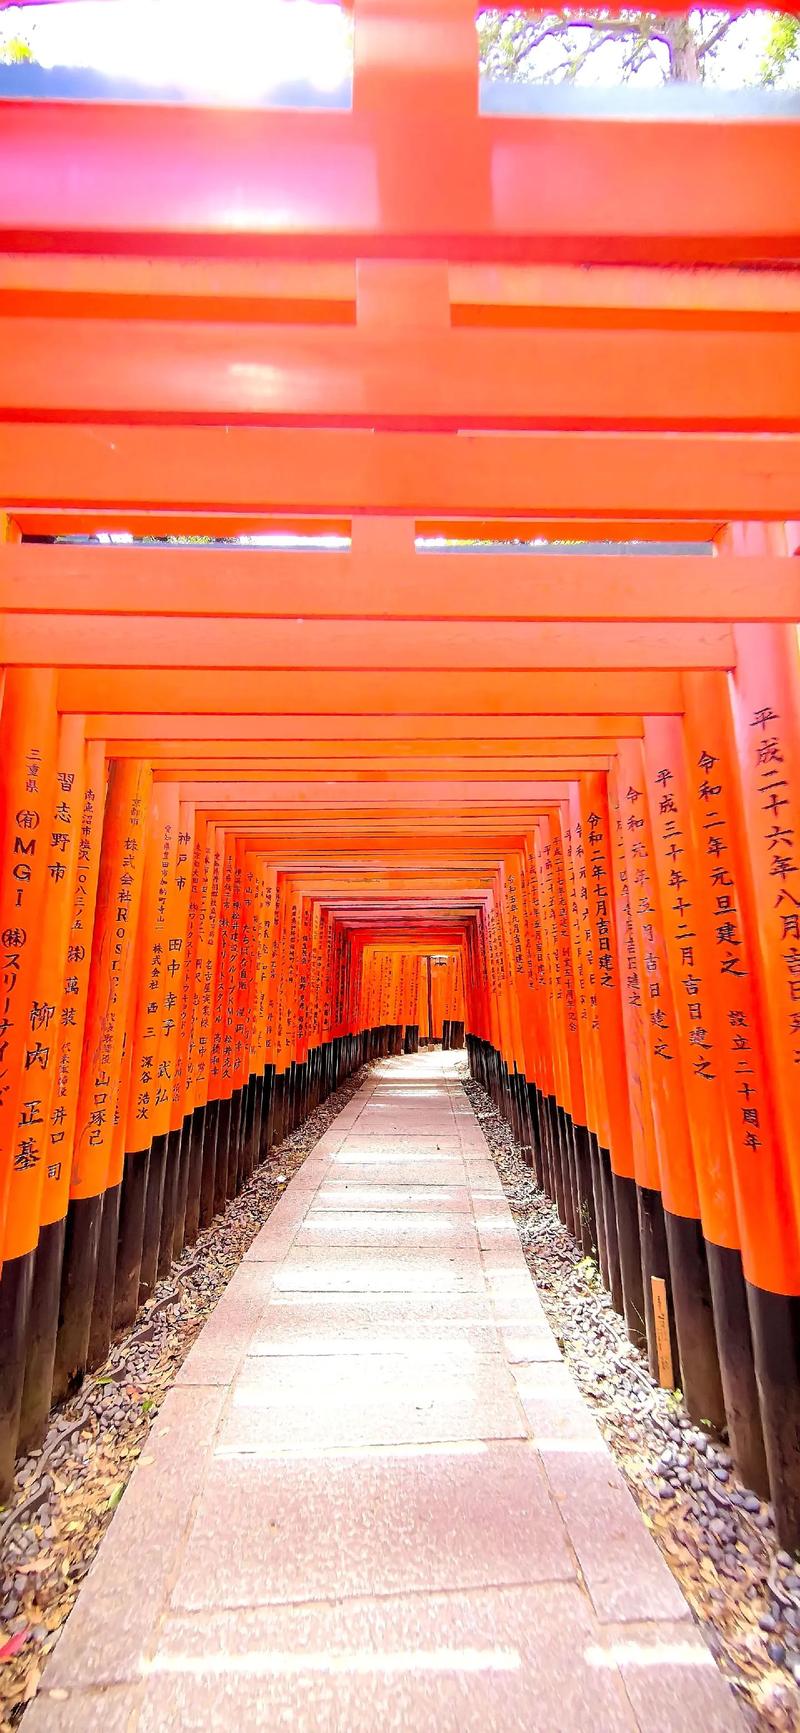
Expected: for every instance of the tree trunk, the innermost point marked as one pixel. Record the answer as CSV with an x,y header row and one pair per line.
x,y
684,66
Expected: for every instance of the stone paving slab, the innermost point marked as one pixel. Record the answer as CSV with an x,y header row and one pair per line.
x,y
353,1400
485,1661
292,1323
439,1170
415,1269
384,1152
338,1194
386,1228
396,1522
375,1499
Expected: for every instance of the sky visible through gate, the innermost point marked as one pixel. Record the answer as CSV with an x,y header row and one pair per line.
x,y
222,53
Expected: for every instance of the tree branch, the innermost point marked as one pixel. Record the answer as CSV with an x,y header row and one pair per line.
x,y
706,44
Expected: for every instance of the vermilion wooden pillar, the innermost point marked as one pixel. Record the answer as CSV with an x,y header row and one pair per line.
x,y
28,744
117,909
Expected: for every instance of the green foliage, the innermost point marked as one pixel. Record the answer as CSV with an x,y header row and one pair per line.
x,y
782,52
187,541
12,53
682,48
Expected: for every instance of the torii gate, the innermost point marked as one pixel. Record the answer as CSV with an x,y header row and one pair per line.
x,y
270,776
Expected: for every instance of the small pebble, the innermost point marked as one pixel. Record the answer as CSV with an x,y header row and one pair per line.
x,y
777,1653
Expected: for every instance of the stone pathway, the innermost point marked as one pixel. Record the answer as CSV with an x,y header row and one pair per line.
x,y
374,1498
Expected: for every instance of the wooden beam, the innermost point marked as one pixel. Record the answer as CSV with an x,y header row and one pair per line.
x,y
362,755
55,521
396,375
343,693
292,291
473,475
310,734
284,646
434,586
335,185
411,797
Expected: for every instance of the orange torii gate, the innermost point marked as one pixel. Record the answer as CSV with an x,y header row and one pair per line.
x,y
244,790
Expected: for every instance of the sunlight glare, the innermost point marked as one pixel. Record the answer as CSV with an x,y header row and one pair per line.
x,y
653,1654
363,1661
241,51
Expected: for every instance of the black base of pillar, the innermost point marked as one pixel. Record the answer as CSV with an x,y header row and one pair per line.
x,y
37,1393
169,1203
737,1367
180,1145
223,1153
694,1320
535,1101
16,1287
575,1175
523,1126
583,1174
81,1246
267,1111
234,1146
131,1230
775,1325
630,1259
550,1145
655,1266
154,1203
557,1121
599,1208
612,1235
193,1129
257,1094
278,1111
208,1183
105,1281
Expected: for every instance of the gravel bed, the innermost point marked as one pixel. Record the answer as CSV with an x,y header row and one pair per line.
x,y
66,1493
717,1537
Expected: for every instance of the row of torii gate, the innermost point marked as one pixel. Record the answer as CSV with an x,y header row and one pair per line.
x,y
245,789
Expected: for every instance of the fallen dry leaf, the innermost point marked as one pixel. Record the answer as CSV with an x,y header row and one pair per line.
x,y
14,1645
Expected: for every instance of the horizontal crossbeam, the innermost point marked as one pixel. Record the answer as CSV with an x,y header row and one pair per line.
x,y
395,377
217,470
335,185
382,577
